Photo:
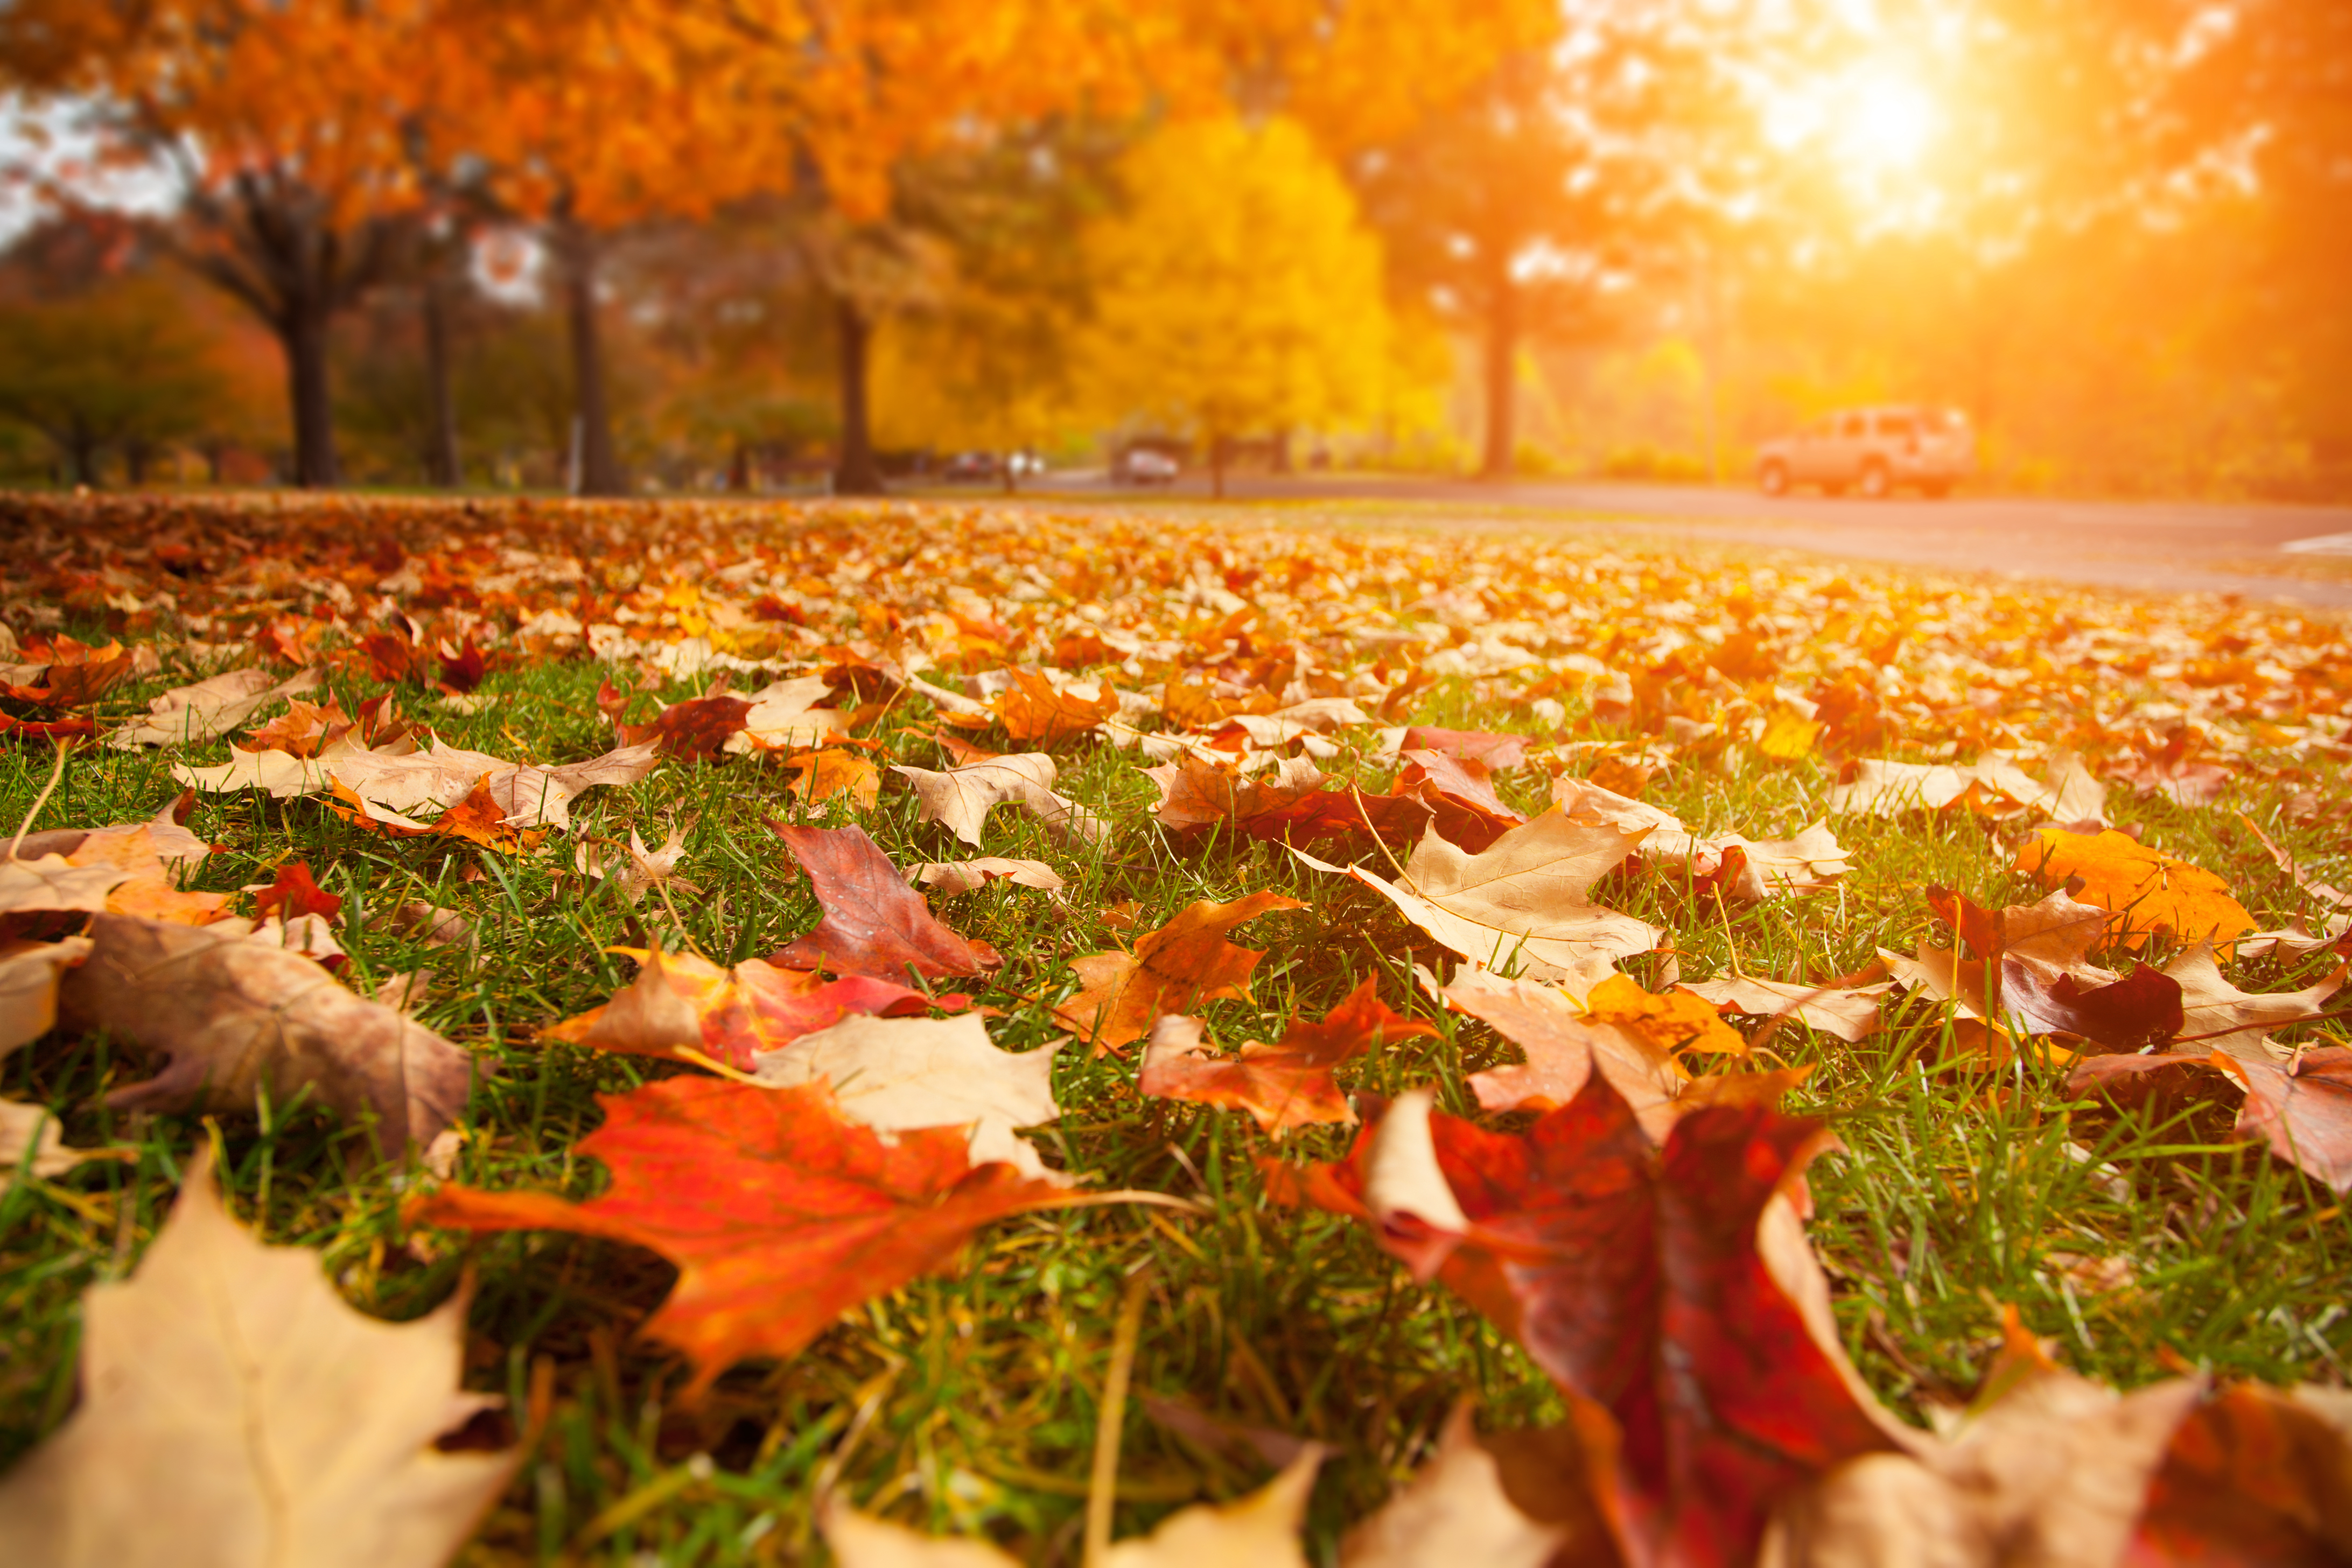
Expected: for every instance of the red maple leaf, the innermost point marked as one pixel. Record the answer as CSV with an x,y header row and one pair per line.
x,y
696,729
1632,1275
779,1214
1285,1085
1460,792
1486,746
294,894
463,670
874,924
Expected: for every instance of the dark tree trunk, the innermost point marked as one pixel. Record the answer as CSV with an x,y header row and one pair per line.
x,y
81,457
1217,467
856,474
441,466
600,461
302,332
1502,374
135,454
739,466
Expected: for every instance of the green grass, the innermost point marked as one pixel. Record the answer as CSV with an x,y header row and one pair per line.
x,y
968,1405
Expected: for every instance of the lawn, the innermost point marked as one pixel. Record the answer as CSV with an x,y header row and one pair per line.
x,y
1974,1171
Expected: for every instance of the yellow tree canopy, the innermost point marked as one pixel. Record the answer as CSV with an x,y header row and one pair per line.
x,y
1239,293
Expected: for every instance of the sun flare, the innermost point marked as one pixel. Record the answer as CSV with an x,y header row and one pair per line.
x,y
1886,121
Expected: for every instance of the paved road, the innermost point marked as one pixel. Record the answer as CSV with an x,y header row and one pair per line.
x,y
2160,546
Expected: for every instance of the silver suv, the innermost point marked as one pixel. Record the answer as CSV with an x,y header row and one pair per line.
x,y
1872,451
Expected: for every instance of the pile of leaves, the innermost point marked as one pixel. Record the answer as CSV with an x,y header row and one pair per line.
x,y
1020,1035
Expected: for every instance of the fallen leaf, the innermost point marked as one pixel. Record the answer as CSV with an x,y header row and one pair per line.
x,y
2253,1475
52,883
1485,746
951,876
1460,795
819,777
1672,1021
1562,1046
30,974
780,1213
235,1409
1740,866
873,923
2146,891
527,794
73,674
1521,898
960,799
2333,897
2141,1010
1035,714
293,894
1849,1013
2211,1004
187,715
1260,1530
1174,969
696,730
236,1017
1282,1086
148,888
1636,1278
785,716
1198,793
428,923
1994,786
682,1000
1455,1509
2303,1108
639,870
2046,1468
32,1143
896,1074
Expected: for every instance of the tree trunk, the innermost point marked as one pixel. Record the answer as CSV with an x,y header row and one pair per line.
x,y
441,464
302,332
81,456
856,474
738,468
600,461
1217,467
135,454
1502,374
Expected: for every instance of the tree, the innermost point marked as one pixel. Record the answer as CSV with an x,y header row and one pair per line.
x,y
117,366
286,124
1513,209
1238,293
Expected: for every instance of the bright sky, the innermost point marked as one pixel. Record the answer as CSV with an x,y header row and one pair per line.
x,y
56,148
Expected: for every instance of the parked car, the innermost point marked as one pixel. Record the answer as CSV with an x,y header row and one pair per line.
x,y
970,469
1144,465
1025,464
1872,451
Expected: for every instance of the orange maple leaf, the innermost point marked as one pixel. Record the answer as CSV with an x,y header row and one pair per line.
x,y
2144,890
1183,964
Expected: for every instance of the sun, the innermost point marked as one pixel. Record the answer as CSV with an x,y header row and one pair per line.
x,y
1884,119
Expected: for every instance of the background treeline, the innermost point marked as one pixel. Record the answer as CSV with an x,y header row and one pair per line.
x,y
627,243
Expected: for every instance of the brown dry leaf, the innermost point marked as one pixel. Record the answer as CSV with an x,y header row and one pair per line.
x,y
1562,1046
893,1074
1033,713
28,1130
638,869
1282,1086
786,716
952,877
146,888
1455,1509
74,674
1522,899
960,799
1260,1530
1460,793
428,923
234,1015
2210,1004
1174,969
30,973
177,848
2047,1470
818,776
1849,1013
527,794
234,1410
2334,897
1809,863
2145,890
210,708
1995,788
1198,792
874,924
2303,1108
53,883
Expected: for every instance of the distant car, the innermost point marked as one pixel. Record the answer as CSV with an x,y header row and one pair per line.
x,y
1144,465
1025,464
1872,451
970,469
